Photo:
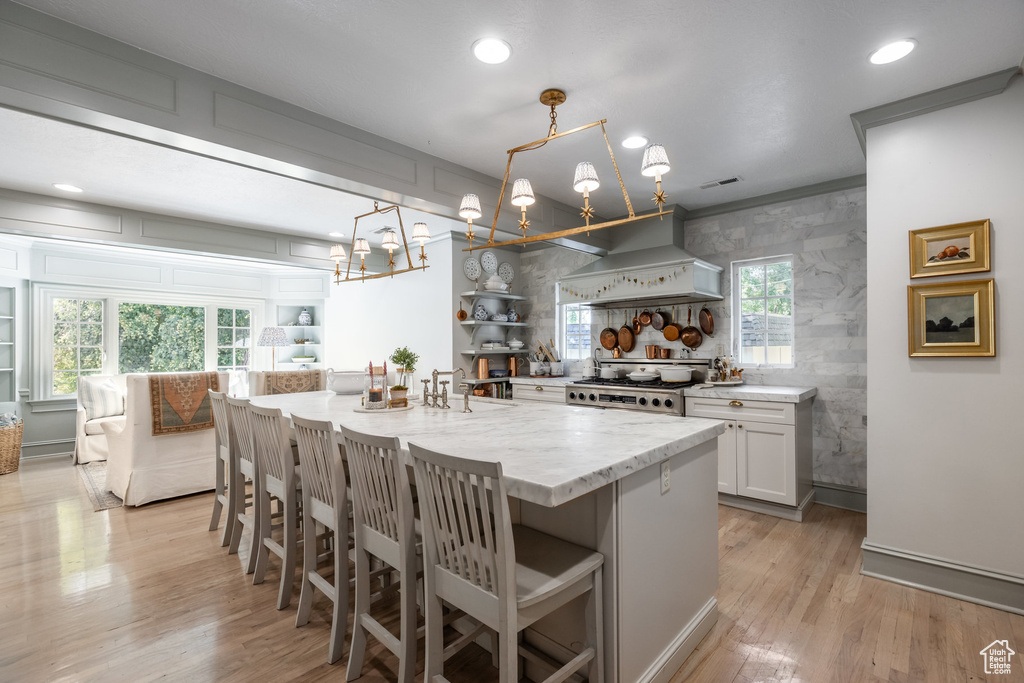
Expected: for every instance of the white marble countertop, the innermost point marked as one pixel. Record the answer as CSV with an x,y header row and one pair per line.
x,y
753,392
552,381
550,453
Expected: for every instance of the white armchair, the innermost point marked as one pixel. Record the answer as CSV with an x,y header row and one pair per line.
x,y
142,468
100,401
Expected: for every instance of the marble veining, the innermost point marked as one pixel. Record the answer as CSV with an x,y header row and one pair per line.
x,y
544,381
753,393
557,453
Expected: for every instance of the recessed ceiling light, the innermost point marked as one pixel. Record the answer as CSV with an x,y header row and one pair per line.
x,y
491,50
67,188
335,234
634,142
893,51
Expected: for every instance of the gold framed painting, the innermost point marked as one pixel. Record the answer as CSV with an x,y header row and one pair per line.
x,y
952,318
950,250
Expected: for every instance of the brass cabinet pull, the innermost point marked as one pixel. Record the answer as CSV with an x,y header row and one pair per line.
x,y
741,426
729,425
736,403
539,388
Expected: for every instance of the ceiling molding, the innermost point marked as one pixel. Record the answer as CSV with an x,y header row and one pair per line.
x,y
837,185
933,100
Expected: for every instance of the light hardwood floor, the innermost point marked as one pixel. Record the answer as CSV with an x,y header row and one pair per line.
x,y
148,593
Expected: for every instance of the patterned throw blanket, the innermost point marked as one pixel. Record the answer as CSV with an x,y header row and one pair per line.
x,y
292,382
180,402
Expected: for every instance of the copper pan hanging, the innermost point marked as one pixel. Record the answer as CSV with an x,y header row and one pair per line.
x,y
707,321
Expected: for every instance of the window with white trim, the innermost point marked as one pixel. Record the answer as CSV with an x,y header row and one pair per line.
x,y
762,311
88,331
77,336
575,335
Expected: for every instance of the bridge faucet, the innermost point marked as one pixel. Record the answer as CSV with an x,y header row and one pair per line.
x,y
443,395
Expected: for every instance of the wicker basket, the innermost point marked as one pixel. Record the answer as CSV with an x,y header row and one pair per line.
x,y
10,448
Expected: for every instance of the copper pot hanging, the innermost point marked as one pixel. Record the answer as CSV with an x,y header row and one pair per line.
x,y
609,337
690,335
626,336
672,329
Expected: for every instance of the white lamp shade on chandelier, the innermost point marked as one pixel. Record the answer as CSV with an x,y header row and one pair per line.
x,y
420,232
338,253
272,336
655,163
362,247
522,193
585,179
470,207
390,241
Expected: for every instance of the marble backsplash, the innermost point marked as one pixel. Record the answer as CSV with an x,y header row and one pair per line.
x,y
827,235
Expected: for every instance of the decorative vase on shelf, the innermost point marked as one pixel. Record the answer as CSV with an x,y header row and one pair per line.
x,y
305,318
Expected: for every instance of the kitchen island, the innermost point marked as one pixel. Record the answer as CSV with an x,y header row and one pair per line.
x,y
637,487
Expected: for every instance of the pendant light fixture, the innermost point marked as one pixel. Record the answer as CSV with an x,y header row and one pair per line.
x,y
361,247
655,164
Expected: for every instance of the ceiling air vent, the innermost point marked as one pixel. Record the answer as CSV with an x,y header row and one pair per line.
x,y
718,183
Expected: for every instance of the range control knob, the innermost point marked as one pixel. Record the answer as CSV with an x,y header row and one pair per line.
x,y
592,397
656,402
572,395
642,401
668,403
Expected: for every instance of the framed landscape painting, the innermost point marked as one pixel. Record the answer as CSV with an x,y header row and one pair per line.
x,y
952,319
950,250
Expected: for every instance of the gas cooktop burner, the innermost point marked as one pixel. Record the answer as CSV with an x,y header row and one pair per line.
x,y
626,382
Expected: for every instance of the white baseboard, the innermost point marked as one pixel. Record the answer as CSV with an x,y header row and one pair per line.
x,y
794,514
43,449
952,579
668,663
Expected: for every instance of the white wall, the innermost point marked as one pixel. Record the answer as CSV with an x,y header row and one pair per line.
x,y
946,461
368,320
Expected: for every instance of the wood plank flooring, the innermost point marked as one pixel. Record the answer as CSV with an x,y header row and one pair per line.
x,y
148,594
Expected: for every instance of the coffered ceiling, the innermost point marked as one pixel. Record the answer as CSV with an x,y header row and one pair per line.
x,y
760,90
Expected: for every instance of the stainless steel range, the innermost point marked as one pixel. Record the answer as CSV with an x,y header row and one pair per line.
x,y
651,396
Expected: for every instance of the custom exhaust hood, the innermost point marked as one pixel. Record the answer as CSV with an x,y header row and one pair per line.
x,y
650,267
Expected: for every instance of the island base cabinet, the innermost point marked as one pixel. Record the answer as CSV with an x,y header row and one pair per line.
x,y
660,570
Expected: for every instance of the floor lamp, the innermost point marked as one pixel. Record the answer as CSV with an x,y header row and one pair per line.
x,y
273,337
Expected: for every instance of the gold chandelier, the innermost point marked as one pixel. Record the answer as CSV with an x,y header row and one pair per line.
x,y
655,164
390,242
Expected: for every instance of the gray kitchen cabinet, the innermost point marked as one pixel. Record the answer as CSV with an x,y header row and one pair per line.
x,y
765,454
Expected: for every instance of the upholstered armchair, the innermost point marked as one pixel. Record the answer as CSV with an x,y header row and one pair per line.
x,y
100,401
141,467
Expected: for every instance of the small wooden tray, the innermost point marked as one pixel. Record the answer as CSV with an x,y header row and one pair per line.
x,y
360,409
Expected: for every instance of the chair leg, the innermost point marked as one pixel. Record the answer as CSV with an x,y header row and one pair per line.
x,y
434,608
339,618
595,627
260,548
308,566
291,550
407,663
231,519
237,510
218,491
357,650
508,669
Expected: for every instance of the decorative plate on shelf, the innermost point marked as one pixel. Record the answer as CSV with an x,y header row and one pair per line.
x,y
507,273
489,262
471,267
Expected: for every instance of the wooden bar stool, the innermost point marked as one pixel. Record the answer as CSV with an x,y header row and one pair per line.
x,y
226,460
278,478
507,576
383,524
324,500
245,515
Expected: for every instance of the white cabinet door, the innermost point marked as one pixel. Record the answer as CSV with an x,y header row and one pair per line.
x,y
727,459
766,461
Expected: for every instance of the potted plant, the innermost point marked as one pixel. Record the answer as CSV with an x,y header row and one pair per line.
x,y
399,396
405,364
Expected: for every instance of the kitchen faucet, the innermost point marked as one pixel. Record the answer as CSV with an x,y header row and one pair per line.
x,y
444,389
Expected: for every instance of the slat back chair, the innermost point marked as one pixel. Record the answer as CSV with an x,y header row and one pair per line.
x,y
384,527
245,516
225,458
278,479
505,575
324,500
